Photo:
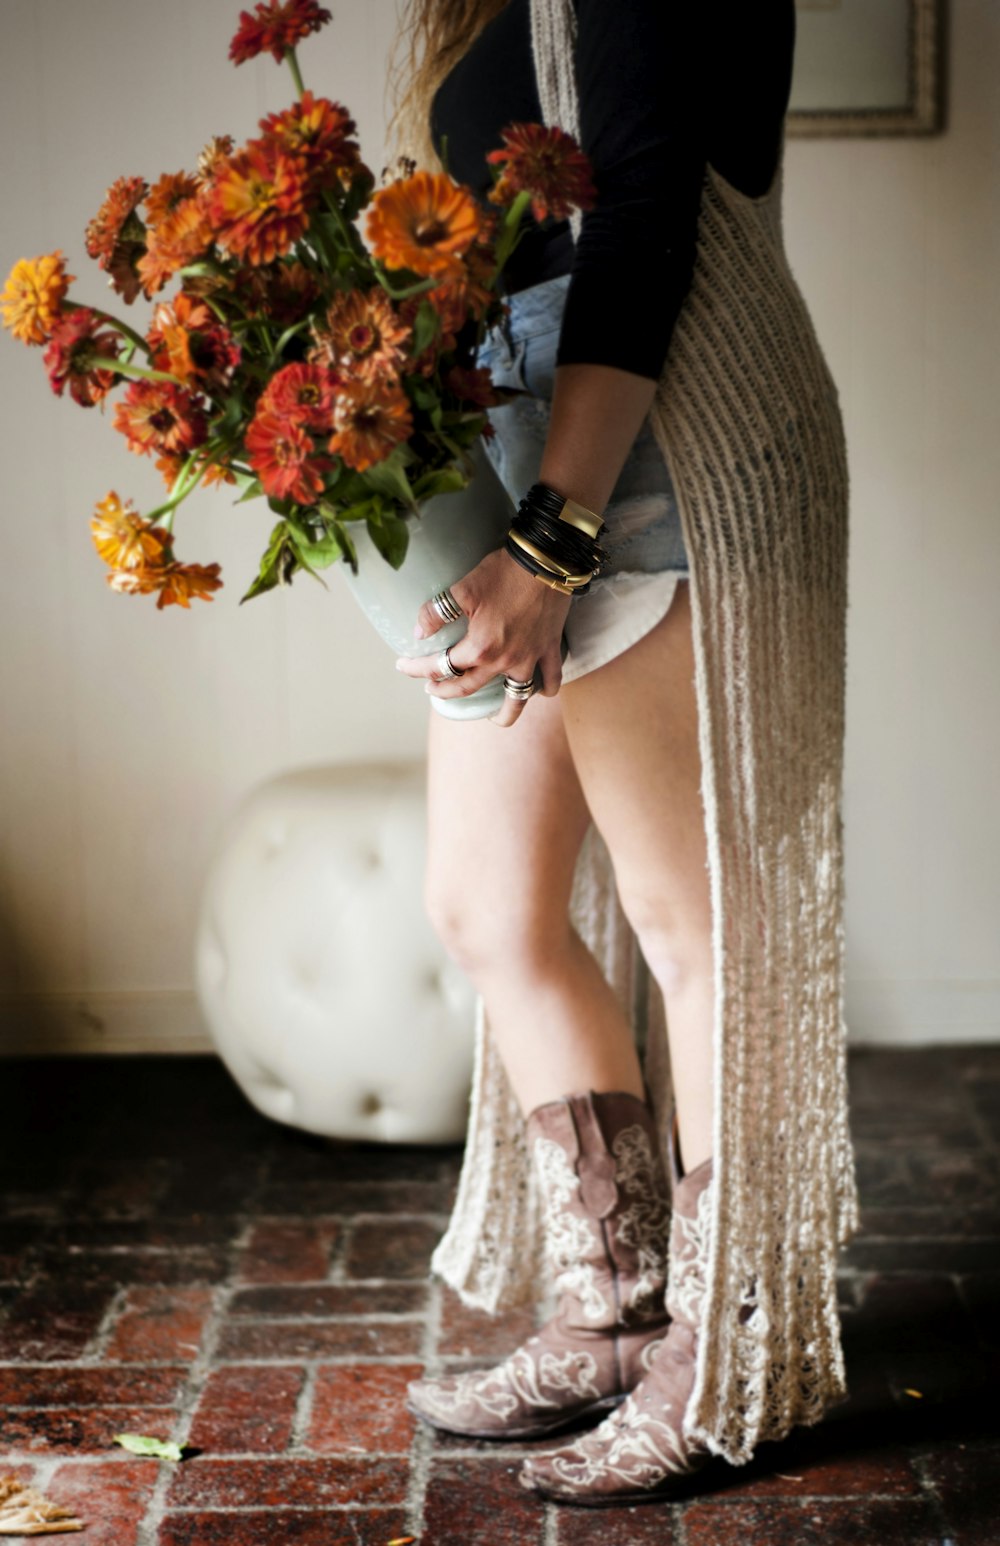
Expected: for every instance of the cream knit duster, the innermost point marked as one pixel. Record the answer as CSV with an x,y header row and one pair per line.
x,y
747,417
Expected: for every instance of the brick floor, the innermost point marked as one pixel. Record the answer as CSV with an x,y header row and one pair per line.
x,y
174,1264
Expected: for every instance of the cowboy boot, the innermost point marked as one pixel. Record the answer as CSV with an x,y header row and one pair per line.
x,y
640,1452
606,1218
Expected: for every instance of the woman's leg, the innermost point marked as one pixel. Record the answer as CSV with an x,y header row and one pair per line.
x,y
507,817
632,727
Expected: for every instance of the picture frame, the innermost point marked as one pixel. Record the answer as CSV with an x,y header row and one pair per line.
x,y
868,68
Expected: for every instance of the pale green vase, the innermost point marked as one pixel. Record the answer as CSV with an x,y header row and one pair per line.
x,y
452,533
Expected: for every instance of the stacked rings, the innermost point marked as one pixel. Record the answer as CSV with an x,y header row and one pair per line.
x,y
445,667
446,607
520,691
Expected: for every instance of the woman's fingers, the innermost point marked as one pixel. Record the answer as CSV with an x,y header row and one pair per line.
x,y
550,665
429,621
508,713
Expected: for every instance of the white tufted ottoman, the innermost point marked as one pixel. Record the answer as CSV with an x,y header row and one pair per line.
x,y
324,988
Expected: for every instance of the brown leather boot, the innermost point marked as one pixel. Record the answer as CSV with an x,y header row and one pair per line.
x,y
640,1453
607,1219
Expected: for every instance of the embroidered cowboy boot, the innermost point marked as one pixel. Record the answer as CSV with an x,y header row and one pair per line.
x,y
606,1218
639,1453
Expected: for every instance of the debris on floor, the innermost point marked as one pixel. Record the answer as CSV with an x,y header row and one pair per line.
x,y
23,1511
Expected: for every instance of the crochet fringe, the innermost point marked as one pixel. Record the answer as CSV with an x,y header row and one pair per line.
x,y
748,419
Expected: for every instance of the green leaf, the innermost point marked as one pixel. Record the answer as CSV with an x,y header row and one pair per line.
x,y
252,490
391,536
273,564
389,477
141,1444
426,327
447,480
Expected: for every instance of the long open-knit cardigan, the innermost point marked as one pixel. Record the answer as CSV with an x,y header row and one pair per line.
x,y
748,420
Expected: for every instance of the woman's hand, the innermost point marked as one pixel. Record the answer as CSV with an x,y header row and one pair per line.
x,y
515,623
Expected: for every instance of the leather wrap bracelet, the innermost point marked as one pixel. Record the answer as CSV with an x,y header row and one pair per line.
x,y
554,539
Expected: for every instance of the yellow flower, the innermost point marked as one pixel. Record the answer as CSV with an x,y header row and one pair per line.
x,y
32,298
124,539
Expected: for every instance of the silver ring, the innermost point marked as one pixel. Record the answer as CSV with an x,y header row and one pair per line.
x,y
520,691
445,667
446,607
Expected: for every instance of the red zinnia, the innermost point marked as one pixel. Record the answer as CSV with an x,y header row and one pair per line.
x,y
156,416
76,341
548,164
116,235
363,334
256,203
277,25
303,394
281,454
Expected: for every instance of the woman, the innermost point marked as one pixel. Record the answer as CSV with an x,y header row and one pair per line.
x,y
676,388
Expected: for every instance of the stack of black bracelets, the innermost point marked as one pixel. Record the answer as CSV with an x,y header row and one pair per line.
x,y
555,540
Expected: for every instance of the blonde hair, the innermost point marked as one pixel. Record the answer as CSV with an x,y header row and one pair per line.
x,y
432,38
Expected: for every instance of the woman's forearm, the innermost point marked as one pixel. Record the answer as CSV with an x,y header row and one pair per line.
x,y
597,412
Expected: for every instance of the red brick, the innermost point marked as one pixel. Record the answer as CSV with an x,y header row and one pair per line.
x,y
481,1499
53,1324
362,1406
107,1270
872,1522
794,1470
280,1252
248,1340
248,1410
615,1527
160,1323
470,1333
284,1527
110,1498
329,1299
391,1248
45,1386
342,1198
966,1481
64,1430
287,1483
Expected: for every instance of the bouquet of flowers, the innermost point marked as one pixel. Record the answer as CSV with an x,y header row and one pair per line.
x,y
332,376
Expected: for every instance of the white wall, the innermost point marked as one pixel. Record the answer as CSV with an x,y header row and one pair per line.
x,y
127,734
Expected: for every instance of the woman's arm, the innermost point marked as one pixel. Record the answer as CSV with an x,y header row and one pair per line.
x,y
516,622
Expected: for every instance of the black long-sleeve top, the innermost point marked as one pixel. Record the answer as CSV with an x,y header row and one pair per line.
x,y
665,87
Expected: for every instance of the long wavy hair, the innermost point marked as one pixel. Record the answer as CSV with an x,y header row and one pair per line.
x,y
433,36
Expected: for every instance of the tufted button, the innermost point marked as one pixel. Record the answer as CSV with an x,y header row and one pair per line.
x,y
371,1105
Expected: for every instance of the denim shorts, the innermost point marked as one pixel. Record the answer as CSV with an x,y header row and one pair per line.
x,y
642,539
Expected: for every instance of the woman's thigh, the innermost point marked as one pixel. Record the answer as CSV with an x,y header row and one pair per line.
x,y
632,725
506,819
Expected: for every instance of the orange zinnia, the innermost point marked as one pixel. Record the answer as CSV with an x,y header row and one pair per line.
x,y
371,418
167,195
362,335
257,203
178,583
181,238
32,298
188,342
548,164
104,232
277,26
318,132
425,223
124,539
156,416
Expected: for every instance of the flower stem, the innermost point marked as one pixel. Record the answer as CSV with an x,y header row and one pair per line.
x,y
116,322
420,288
184,484
123,368
510,234
293,65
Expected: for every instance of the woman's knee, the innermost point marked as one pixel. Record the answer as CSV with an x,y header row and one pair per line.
x,y
485,928
676,941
